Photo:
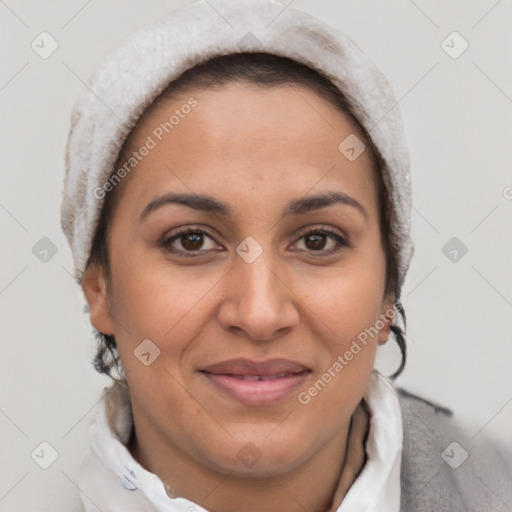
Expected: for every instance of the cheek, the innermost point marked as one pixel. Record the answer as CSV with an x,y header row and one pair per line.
x,y
347,317
345,310
345,314
167,305
348,299
357,305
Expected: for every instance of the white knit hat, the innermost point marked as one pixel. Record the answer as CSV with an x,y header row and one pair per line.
x,y
134,74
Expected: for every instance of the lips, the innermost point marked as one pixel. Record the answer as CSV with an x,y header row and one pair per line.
x,y
256,382
244,367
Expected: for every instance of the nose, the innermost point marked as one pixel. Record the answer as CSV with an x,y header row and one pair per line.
x,y
259,302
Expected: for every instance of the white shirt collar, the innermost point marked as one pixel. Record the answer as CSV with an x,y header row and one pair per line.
x,y
112,480
377,487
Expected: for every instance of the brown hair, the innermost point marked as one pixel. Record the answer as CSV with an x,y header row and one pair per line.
x,y
266,70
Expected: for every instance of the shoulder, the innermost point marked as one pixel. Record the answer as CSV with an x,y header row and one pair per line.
x,y
443,469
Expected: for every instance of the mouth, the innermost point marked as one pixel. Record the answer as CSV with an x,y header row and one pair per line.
x,y
256,383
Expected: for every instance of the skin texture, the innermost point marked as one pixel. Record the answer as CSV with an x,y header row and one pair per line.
x,y
254,149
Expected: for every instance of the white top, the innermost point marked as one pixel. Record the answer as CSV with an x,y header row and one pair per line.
x,y
112,480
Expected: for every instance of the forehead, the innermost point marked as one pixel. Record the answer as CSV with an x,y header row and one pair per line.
x,y
241,137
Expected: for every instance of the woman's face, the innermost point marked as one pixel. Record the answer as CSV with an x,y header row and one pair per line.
x,y
281,271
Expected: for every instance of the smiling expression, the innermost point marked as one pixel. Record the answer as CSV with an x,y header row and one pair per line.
x,y
247,248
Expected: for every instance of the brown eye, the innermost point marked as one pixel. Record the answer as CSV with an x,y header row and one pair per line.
x,y
315,242
322,241
192,241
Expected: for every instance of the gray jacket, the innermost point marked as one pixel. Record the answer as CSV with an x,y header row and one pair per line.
x,y
443,469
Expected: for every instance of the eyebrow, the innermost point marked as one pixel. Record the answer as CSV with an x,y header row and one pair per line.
x,y
209,204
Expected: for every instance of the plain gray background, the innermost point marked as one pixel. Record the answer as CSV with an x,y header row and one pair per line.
x,y
457,116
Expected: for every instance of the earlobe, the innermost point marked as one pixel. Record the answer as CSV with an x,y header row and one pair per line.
x,y
94,287
386,319
384,332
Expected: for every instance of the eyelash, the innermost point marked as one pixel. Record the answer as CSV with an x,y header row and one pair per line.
x,y
341,241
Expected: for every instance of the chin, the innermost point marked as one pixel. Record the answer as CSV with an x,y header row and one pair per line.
x,y
259,454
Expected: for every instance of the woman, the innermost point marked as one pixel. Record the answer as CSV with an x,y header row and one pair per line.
x,y
238,206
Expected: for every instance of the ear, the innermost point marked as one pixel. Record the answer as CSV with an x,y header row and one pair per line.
x,y
387,315
94,286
